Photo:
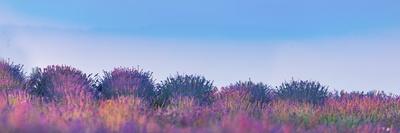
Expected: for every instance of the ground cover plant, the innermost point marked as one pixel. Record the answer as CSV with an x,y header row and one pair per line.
x,y
64,99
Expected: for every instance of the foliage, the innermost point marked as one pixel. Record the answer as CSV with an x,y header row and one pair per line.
x,y
258,92
233,112
11,75
197,87
126,82
57,82
23,113
303,91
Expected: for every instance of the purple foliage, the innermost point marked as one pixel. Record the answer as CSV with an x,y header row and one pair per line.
x,y
58,82
303,91
257,93
11,75
193,86
127,81
235,109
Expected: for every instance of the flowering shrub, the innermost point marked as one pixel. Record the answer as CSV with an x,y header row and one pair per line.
x,y
60,82
129,114
303,91
127,81
11,75
115,112
258,93
191,107
186,86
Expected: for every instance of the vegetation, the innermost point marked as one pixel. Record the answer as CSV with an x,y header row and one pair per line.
x,y
257,92
303,91
191,86
126,82
11,75
61,99
58,82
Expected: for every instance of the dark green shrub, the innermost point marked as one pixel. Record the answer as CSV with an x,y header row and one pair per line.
x,y
258,93
342,95
127,81
60,82
11,75
197,87
303,91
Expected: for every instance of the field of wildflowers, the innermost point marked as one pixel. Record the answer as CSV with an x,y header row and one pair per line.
x,y
64,99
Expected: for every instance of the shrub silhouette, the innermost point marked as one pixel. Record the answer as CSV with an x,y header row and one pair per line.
x,y
60,82
359,94
257,92
127,81
303,91
192,86
11,75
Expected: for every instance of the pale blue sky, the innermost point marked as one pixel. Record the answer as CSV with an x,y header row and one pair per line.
x,y
346,44
228,19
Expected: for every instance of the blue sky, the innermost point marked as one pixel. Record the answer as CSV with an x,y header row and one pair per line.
x,y
351,45
217,19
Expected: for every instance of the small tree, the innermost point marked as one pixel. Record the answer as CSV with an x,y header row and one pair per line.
x,y
303,91
197,87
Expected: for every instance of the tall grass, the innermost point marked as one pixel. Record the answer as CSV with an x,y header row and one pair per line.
x,y
25,113
236,108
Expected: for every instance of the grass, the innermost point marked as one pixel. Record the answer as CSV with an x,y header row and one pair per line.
x,y
22,112
233,112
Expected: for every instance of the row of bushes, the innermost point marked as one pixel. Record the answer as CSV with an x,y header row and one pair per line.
x,y
55,83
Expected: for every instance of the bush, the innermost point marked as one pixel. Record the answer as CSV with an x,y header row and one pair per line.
x,y
303,91
127,81
59,82
342,95
192,86
258,93
11,75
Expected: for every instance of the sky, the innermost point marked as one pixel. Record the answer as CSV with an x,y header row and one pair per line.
x,y
350,45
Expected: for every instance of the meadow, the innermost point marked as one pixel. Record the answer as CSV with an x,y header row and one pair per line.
x,y
63,99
